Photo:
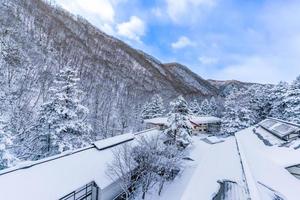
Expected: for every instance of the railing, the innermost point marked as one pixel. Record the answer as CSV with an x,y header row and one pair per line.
x,y
87,192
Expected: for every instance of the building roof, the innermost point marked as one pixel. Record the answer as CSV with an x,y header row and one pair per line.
x,y
204,119
279,128
56,176
157,121
254,170
266,166
193,119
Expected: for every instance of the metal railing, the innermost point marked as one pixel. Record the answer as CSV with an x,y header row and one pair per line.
x,y
87,192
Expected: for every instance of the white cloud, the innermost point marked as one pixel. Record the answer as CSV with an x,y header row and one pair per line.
x,y
100,13
255,69
206,60
103,9
180,9
182,42
134,29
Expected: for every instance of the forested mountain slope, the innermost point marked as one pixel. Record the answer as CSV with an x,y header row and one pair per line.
x,y
37,40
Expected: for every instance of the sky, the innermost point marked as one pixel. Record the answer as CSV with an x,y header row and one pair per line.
x,y
246,40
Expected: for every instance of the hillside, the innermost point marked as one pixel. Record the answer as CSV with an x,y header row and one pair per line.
x,y
116,79
224,87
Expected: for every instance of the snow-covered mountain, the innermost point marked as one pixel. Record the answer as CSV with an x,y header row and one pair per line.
x,y
225,87
114,76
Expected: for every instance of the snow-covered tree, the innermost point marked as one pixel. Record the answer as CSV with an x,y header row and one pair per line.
x,y
145,165
7,159
237,114
205,107
292,102
62,123
180,106
153,109
213,107
194,107
277,95
179,129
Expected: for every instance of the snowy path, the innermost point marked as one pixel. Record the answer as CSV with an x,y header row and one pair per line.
x,y
199,179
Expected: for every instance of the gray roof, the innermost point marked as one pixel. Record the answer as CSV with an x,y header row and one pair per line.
x,y
280,128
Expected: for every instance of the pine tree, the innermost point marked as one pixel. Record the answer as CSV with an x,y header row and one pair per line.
x,y
292,102
62,123
213,107
153,109
205,107
7,159
179,129
194,108
180,105
237,114
277,98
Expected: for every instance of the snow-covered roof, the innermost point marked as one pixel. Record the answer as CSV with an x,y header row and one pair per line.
x,y
157,121
110,142
56,176
279,128
204,119
266,166
194,119
257,171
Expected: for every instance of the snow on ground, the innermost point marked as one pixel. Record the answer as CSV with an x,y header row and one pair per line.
x,y
212,163
267,165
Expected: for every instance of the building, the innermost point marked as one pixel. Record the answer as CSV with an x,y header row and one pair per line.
x,y
200,124
72,175
282,129
206,124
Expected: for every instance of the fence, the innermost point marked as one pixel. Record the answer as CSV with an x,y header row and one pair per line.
x,y
87,192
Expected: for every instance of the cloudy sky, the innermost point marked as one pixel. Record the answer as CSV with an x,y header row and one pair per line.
x,y
248,40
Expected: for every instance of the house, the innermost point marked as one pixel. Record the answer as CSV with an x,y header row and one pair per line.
x,y
205,124
79,174
158,122
200,124
282,129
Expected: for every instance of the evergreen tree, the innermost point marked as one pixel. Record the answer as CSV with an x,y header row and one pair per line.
x,y
205,107
213,107
194,108
153,109
237,113
62,123
179,129
6,158
180,106
292,102
277,95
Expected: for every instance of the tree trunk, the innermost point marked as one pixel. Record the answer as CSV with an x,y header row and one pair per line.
x,y
161,187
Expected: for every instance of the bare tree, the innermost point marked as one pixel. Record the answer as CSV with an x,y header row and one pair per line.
x,y
122,168
145,165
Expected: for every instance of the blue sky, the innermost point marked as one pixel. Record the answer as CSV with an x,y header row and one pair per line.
x,y
247,40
